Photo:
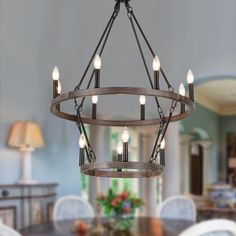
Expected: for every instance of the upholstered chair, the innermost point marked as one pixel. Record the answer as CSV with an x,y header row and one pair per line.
x,y
216,227
178,207
72,207
7,231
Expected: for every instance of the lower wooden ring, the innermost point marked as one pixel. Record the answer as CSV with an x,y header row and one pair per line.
x,y
129,169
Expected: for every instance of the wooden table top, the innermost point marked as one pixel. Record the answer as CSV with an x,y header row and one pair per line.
x,y
142,226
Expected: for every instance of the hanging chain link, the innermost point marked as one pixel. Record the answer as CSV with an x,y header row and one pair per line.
x,y
162,131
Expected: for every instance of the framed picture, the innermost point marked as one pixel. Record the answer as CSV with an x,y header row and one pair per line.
x,y
8,216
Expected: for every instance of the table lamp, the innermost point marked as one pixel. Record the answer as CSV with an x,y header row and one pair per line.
x,y
26,136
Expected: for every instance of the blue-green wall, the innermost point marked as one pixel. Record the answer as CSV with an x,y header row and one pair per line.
x,y
216,127
207,123
205,119
227,125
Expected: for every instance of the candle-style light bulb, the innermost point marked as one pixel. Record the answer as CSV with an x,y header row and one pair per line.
x,y
119,148
59,87
182,93
82,144
181,90
55,73
97,67
125,135
142,100
95,99
162,152
82,141
97,62
125,140
163,144
156,65
119,154
94,106
190,77
55,78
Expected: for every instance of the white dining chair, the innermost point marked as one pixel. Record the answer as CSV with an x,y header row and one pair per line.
x,y
178,207
216,227
7,231
72,207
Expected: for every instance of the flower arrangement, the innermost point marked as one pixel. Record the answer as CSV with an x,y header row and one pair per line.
x,y
121,205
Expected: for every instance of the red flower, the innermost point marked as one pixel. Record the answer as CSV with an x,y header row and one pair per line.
x,y
123,196
126,210
114,202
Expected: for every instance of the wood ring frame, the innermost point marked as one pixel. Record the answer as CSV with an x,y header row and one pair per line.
x,y
109,169
119,91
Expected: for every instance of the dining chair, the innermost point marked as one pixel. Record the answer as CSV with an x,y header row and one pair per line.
x,y
7,231
72,207
216,227
178,207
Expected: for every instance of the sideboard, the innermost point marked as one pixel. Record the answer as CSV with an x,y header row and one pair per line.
x,y
24,205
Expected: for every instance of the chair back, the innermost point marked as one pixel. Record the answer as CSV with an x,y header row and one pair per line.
x,y
72,207
7,231
216,227
178,207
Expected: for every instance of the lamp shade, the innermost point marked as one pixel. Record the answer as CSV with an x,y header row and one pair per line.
x,y
25,134
232,162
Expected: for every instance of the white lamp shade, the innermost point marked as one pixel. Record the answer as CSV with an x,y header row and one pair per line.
x,y
25,134
232,162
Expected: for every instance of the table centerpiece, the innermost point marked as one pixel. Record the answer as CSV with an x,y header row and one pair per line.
x,y
120,207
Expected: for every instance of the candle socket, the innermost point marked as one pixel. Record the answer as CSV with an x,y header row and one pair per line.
x,y
55,87
162,157
125,152
182,107
119,159
97,78
156,80
191,91
94,111
142,112
81,156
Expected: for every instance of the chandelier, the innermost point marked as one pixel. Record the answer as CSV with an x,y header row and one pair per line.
x,y
180,106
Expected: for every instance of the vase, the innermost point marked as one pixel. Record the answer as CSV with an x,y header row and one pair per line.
x,y
122,224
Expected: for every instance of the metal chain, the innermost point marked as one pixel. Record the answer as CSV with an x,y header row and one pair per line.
x,y
113,16
151,50
130,14
89,150
163,132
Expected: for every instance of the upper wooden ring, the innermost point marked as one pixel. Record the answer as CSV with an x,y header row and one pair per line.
x,y
121,90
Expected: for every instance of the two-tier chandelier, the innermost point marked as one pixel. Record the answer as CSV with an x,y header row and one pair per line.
x,y
180,107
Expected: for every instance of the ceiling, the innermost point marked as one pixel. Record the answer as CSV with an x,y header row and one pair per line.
x,y
219,96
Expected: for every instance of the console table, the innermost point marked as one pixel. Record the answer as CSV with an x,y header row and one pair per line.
x,y
24,205
206,213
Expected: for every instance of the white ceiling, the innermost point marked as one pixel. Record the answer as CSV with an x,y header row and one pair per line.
x,y
219,96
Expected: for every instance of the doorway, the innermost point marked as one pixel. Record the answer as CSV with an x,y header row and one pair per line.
x,y
196,171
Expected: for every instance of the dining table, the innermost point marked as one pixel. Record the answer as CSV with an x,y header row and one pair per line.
x,y
142,226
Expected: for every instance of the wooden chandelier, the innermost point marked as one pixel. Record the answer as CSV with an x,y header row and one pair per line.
x,y
181,107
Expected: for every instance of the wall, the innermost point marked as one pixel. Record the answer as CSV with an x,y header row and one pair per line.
x,y
227,125
216,127
205,120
